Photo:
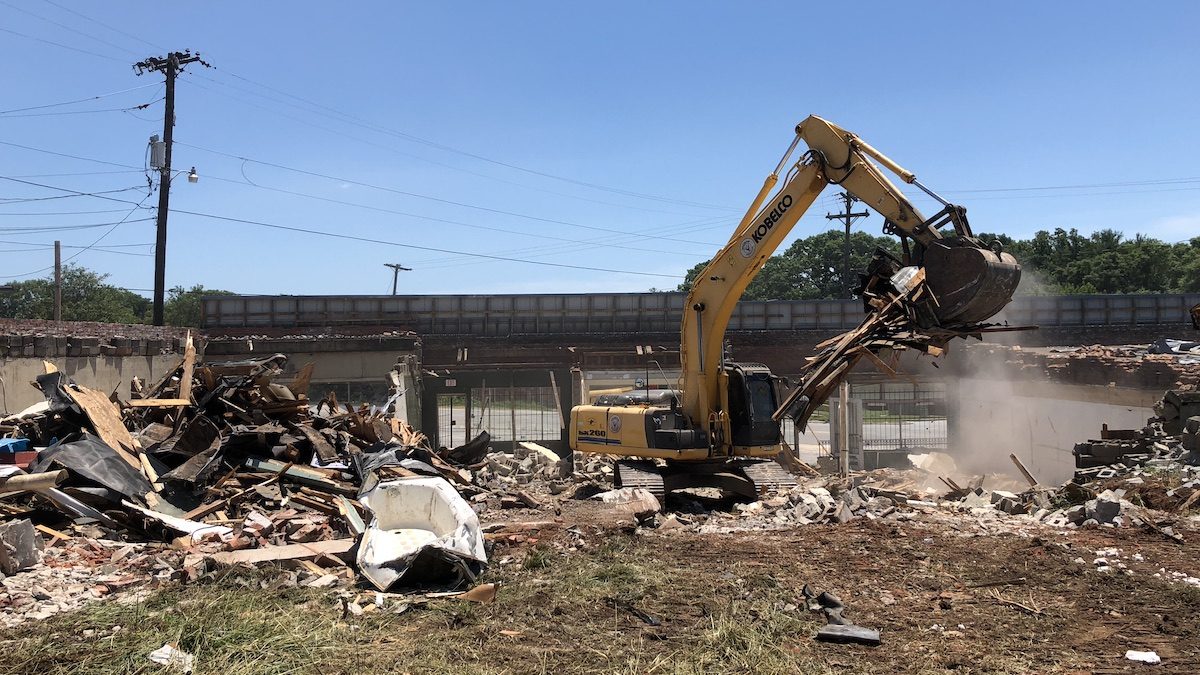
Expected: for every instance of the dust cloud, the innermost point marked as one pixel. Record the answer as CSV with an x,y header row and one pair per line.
x,y
996,412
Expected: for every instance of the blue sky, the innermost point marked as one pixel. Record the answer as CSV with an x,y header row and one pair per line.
x,y
627,136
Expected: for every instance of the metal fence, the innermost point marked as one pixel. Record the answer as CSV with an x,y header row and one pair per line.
x,y
550,314
506,413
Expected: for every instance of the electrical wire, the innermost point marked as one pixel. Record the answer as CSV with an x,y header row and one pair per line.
x,y
439,200
34,229
69,156
66,27
59,44
4,201
402,153
363,123
80,112
536,235
384,242
78,100
104,25
58,213
89,246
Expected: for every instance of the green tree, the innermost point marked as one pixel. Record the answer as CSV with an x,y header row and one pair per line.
x,y
182,307
811,268
85,297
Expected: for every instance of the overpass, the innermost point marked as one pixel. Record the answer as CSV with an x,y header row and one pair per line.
x,y
603,330
491,359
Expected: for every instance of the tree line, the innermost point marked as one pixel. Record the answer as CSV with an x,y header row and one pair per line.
x,y
1058,262
87,296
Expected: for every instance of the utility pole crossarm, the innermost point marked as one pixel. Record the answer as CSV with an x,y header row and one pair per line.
x,y
170,66
396,270
847,218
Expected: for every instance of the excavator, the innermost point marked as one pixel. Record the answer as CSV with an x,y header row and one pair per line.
x,y
722,425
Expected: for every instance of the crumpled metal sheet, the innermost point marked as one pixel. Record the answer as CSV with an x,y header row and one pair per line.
x,y
422,532
93,459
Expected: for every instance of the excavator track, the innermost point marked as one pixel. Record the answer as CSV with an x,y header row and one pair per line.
x,y
768,476
747,477
641,474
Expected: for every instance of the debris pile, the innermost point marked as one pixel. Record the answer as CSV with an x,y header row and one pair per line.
x,y
1146,478
220,464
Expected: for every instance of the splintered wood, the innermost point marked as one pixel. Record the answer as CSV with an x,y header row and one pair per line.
x,y
895,322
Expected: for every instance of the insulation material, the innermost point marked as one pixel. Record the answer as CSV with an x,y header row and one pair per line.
x,y
421,531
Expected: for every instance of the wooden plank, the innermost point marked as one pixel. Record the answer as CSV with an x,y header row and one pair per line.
x,y
351,514
299,386
213,507
335,547
189,365
877,362
1024,472
106,420
325,452
562,420
300,474
158,402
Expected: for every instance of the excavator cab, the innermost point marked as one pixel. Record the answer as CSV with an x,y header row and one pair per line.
x,y
752,400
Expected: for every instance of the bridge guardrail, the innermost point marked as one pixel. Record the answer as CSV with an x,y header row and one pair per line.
x,y
554,314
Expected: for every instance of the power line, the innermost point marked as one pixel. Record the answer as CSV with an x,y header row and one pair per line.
x,y
384,242
389,148
89,246
4,201
69,156
57,213
59,44
103,25
422,217
360,122
62,189
34,229
80,112
65,27
78,100
436,199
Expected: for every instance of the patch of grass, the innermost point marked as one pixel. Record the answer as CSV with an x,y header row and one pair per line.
x,y
538,558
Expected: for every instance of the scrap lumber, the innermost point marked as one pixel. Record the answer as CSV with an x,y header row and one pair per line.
x,y
307,551
351,514
158,403
189,364
325,452
303,475
106,420
299,385
1024,472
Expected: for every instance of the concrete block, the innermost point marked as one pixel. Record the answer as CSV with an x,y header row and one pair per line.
x,y
20,546
1105,507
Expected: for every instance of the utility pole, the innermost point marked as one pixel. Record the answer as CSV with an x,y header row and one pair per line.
x,y
170,66
58,281
848,217
396,270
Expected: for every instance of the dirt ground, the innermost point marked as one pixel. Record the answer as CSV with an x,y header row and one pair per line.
x,y
586,596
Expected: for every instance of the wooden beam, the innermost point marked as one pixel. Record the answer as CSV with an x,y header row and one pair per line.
x,y
189,365
334,547
158,403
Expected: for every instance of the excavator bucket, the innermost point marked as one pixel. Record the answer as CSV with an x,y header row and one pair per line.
x,y
971,284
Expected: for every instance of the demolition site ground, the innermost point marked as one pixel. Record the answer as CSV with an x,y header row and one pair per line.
x,y
584,593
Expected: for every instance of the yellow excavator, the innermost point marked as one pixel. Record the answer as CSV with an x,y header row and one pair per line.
x,y
720,425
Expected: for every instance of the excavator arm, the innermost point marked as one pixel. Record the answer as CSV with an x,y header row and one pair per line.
x,y
969,281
